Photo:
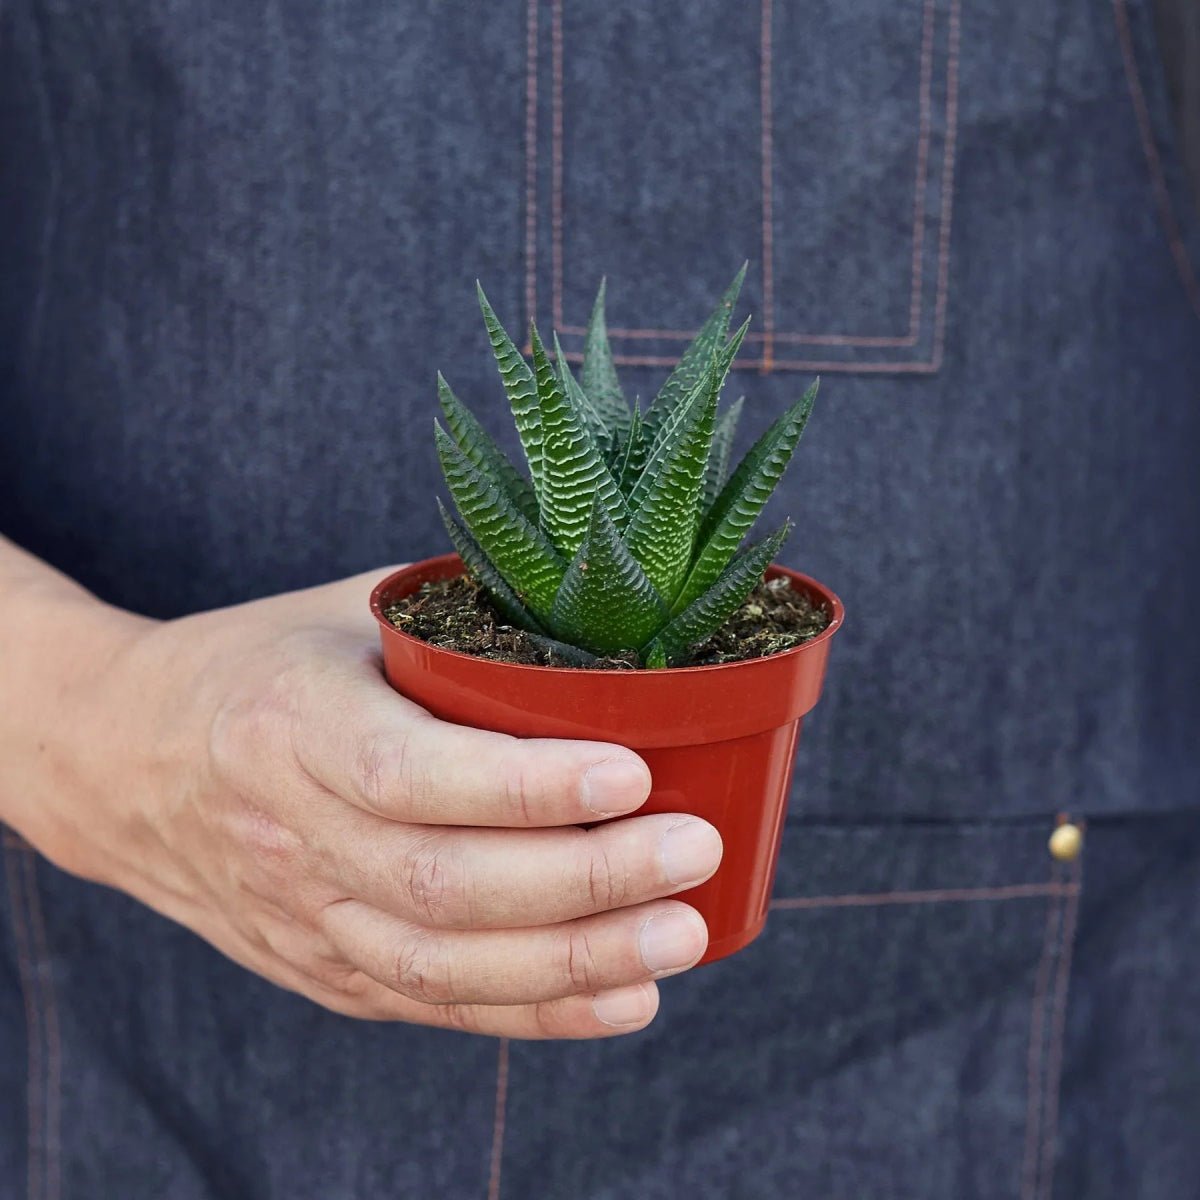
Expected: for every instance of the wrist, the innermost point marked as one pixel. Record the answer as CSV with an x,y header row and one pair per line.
x,y
57,644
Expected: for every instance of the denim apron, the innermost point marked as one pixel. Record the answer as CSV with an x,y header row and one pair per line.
x,y
239,239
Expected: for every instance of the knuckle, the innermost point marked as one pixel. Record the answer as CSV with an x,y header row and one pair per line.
x,y
386,772
419,972
607,883
350,1001
251,719
521,793
581,966
341,977
435,882
274,853
462,1017
548,1019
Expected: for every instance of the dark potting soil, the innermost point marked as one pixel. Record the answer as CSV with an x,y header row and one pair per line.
x,y
457,615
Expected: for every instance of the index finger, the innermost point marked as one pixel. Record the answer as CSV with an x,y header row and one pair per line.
x,y
383,753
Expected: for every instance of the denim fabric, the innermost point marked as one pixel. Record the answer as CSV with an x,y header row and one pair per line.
x,y
240,238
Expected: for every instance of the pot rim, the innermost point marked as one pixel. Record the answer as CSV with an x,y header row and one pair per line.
x,y
832,604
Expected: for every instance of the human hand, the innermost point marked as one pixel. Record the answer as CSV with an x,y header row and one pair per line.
x,y
249,773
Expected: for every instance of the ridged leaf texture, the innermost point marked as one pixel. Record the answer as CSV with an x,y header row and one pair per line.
x,y
474,442
710,610
600,433
574,468
709,383
722,450
485,574
740,501
606,603
521,388
517,548
624,468
626,535
693,363
666,514
600,380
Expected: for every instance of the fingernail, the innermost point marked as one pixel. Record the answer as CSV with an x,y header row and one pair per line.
x,y
616,785
690,851
622,1006
674,939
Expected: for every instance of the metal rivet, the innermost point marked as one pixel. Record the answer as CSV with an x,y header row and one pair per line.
x,y
1066,842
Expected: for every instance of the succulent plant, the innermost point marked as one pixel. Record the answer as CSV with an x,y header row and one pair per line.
x,y
626,535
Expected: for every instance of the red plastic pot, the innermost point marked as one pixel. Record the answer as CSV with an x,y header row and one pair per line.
x,y
719,740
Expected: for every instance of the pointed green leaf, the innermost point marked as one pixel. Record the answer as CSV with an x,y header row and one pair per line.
x,y
718,463
624,471
709,611
518,549
741,500
572,655
599,374
655,657
484,572
606,603
662,527
712,381
521,388
594,423
474,442
574,471
690,369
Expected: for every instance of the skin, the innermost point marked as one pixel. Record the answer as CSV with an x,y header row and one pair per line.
x,y
249,774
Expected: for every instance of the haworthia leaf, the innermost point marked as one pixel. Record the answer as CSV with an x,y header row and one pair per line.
x,y
568,653
740,501
623,472
592,420
722,447
484,572
646,458
615,453
623,508
606,603
780,439
599,374
521,388
655,656
574,470
474,442
662,527
709,611
692,365
712,380
518,549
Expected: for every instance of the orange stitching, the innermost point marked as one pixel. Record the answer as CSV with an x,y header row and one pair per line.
x,y
1162,197
844,367
851,367
1036,1058
1012,891
768,220
767,362
498,1123
822,339
845,339
943,279
53,1040
531,163
1062,984
34,1080
918,256
556,163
